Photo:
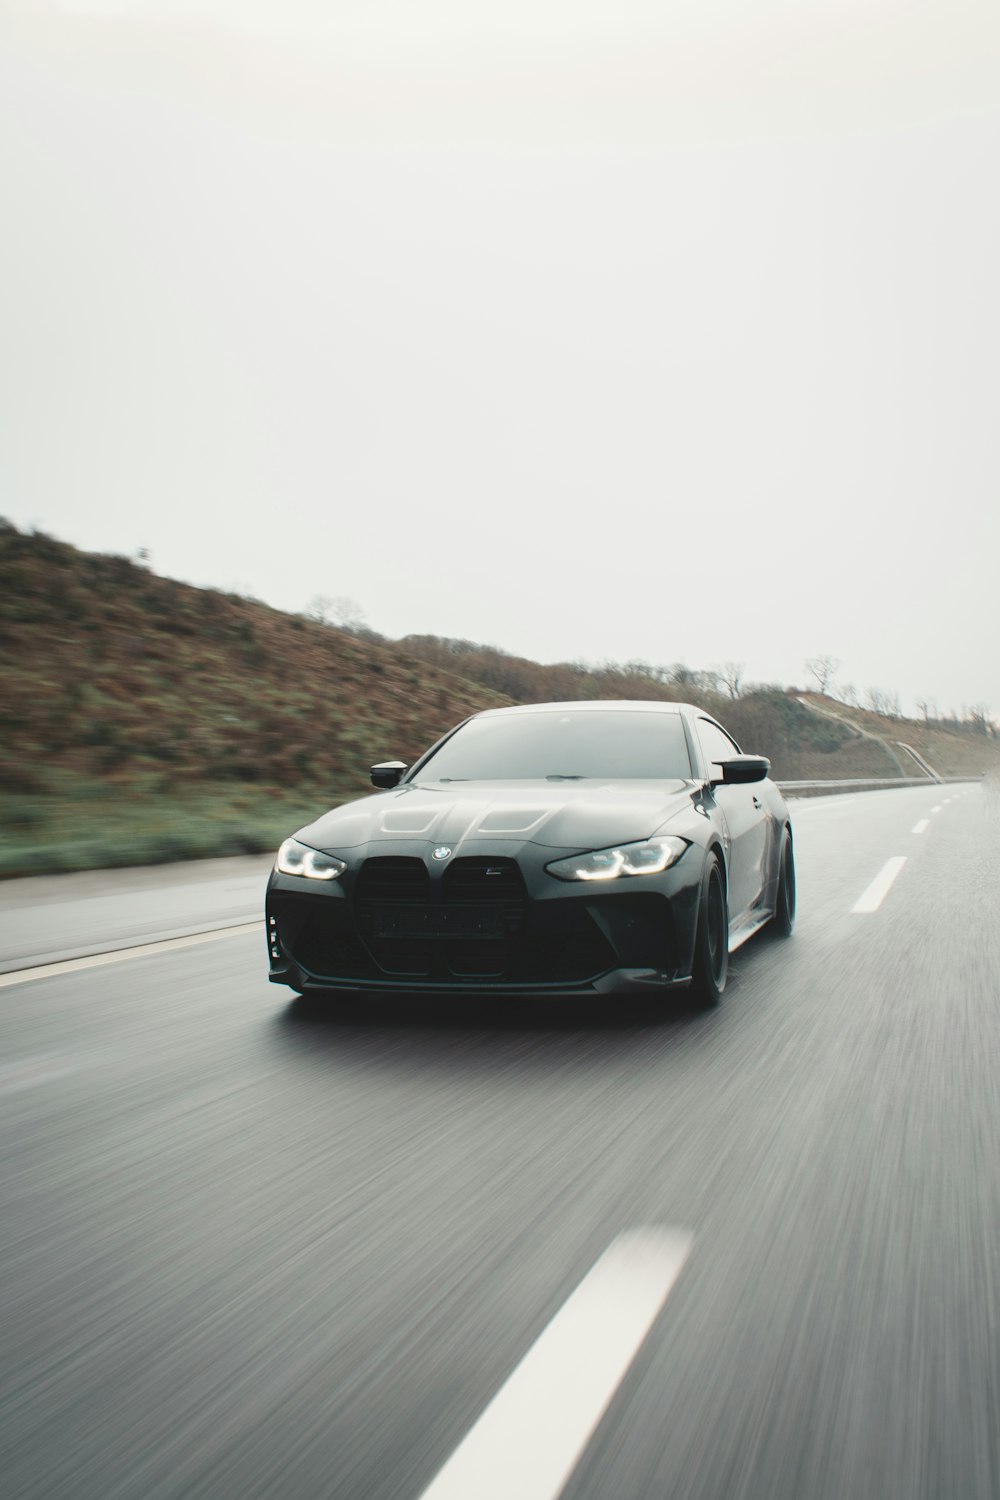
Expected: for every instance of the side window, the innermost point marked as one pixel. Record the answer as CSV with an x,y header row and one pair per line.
x,y
715,743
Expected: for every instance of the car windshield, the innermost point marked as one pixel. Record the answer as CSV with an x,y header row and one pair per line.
x,y
570,745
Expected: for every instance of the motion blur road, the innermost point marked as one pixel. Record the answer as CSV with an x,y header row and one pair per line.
x,y
258,1247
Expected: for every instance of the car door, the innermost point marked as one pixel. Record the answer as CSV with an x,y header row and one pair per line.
x,y
747,824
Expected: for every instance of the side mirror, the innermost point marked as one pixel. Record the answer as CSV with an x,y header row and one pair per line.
x,y
741,769
388,773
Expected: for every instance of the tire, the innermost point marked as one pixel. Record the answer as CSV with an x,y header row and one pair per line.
x,y
711,944
783,922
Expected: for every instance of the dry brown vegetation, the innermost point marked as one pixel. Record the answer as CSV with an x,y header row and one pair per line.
x,y
134,703
952,746
144,719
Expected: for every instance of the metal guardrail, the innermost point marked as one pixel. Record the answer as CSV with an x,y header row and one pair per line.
x,y
866,784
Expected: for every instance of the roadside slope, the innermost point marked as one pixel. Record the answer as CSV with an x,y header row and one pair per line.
x,y
146,720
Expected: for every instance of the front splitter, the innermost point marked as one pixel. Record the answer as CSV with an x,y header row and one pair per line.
x,y
613,982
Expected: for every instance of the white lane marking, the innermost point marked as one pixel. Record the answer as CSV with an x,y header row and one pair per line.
x,y
936,809
528,1440
873,897
922,826
119,955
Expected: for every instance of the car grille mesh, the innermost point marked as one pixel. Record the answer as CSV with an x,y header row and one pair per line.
x,y
493,881
391,880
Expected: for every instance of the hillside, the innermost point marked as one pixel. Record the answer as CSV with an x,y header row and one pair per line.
x,y
950,748
807,737
144,719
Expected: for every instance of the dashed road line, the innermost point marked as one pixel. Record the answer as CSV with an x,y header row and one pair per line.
x,y
528,1440
872,898
922,826
119,955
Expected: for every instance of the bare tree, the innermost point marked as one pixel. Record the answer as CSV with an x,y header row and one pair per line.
x,y
319,609
848,694
347,612
882,702
730,674
341,611
637,668
822,670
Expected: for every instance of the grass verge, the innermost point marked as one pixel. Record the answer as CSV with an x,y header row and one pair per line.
x,y
94,830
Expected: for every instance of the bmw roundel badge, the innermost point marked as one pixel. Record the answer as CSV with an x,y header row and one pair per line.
x,y
441,852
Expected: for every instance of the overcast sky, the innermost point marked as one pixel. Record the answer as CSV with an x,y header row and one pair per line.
x,y
658,329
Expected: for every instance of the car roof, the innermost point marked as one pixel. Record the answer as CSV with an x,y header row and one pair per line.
x,y
629,705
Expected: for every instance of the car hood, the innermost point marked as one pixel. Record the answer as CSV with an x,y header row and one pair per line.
x,y
557,815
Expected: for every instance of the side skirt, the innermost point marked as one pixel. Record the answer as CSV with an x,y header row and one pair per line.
x,y
745,929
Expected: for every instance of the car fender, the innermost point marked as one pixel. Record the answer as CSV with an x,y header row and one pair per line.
x,y
687,921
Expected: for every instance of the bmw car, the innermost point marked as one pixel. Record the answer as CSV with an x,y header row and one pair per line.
x,y
551,850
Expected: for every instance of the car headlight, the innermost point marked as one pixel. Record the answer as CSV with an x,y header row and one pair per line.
x,y
298,859
647,858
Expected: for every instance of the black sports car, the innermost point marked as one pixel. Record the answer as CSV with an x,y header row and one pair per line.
x,y
553,849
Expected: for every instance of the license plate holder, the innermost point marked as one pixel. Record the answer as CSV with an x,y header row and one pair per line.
x,y
434,923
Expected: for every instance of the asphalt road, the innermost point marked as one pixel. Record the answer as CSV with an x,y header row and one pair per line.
x,y
58,917
250,1247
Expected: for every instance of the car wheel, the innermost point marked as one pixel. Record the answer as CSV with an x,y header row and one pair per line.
x,y
784,906
711,947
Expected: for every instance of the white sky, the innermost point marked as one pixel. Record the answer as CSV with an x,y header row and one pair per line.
x,y
588,328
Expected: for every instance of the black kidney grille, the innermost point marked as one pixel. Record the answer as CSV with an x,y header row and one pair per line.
x,y
384,888
392,880
459,923
496,882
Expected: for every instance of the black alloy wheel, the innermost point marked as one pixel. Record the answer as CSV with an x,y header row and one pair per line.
x,y
784,906
711,949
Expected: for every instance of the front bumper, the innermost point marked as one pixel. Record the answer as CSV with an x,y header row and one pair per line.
x,y
539,937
